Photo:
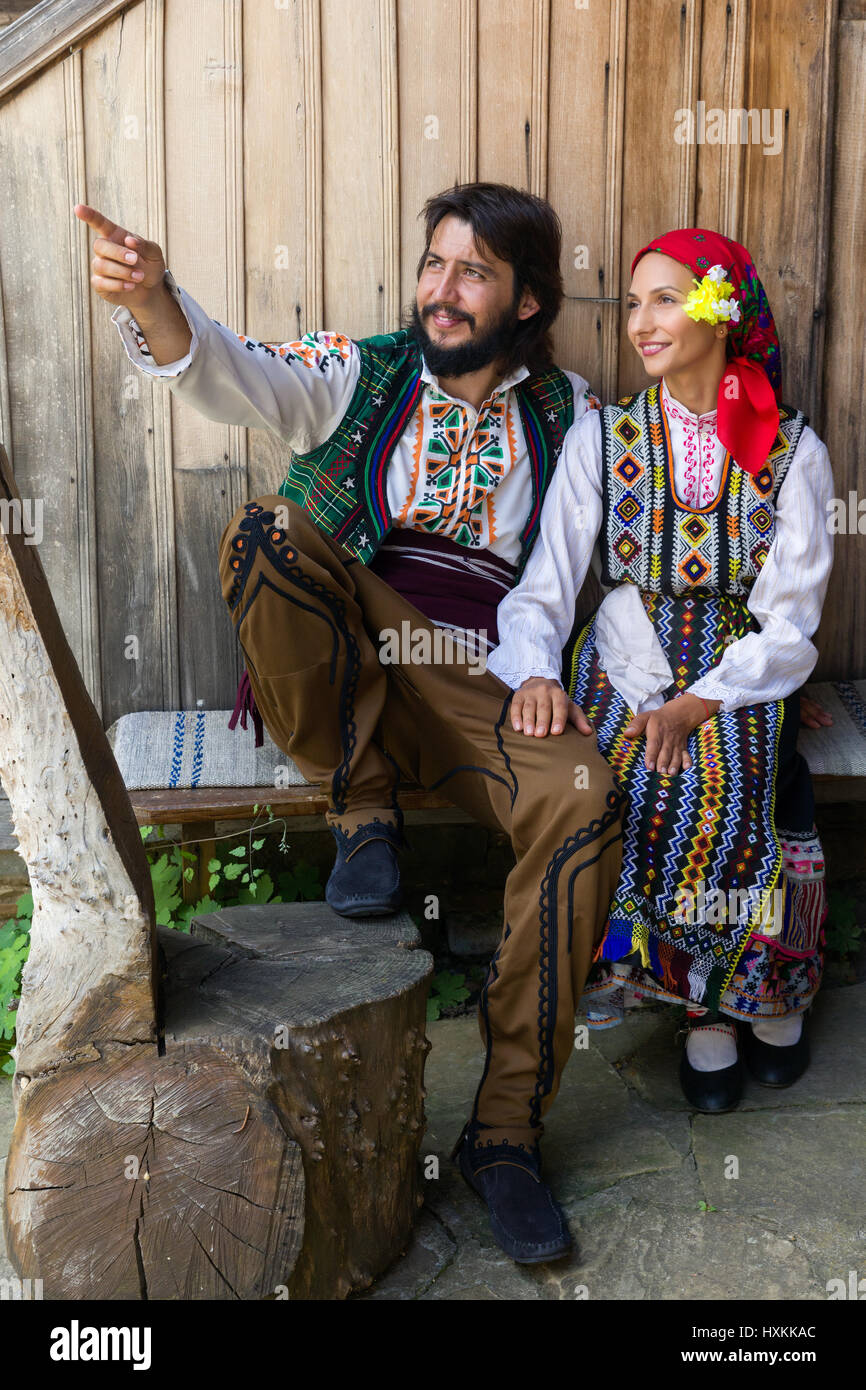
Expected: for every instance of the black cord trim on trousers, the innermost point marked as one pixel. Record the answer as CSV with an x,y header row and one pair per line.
x,y
548,931
278,553
262,583
466,767
572,878
394,803
472,1125
501,746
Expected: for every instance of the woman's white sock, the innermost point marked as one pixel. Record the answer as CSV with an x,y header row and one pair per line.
x,y
712,1048
779,1032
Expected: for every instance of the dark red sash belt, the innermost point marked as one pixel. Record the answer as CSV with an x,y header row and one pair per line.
x,y
447,582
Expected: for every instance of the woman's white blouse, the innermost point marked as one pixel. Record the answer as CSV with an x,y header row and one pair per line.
x,y
536,617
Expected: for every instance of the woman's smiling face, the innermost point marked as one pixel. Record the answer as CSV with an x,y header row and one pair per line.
x,y
665,338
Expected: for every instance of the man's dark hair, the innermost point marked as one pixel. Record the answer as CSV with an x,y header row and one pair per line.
x,y
523,230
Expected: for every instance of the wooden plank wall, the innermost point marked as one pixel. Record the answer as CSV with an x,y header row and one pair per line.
x,y
842,635
281,153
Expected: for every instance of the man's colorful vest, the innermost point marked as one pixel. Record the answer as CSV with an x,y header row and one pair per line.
x,y
342,483
649,539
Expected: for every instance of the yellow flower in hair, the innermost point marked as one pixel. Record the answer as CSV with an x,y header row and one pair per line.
x,y
711,302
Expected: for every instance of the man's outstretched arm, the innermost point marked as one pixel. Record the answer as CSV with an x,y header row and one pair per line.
x,y
299,390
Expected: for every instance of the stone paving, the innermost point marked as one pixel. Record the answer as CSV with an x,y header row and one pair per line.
x,y
631,1165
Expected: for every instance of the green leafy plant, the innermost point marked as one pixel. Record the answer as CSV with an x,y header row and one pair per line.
x,y
14,949
705,1206
301,883
233,878
843,933
447,990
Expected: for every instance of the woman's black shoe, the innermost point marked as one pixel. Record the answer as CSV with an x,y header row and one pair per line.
x,y
776,1066
712,1092
525,1219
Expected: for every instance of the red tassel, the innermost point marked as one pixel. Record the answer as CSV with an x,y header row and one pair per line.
x,y
245,701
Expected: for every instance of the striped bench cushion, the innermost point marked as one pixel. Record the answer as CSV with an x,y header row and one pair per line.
x,y
164,750
196,748
839,751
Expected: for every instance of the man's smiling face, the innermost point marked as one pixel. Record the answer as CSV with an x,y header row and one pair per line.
x,y
467,306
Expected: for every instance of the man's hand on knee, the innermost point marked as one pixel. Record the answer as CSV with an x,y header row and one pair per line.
x,y
541,705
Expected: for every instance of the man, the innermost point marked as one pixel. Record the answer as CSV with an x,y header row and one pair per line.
x,y
419,463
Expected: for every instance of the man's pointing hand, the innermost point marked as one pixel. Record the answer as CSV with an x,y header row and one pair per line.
x,y
126,269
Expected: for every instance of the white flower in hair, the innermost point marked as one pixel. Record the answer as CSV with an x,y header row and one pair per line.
x,y
717,273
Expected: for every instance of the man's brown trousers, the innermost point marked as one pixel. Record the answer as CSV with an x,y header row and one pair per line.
x,y
310,620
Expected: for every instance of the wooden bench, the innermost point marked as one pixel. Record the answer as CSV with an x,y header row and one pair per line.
x,y
837,757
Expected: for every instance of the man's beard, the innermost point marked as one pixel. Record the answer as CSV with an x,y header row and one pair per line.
x,y
471,356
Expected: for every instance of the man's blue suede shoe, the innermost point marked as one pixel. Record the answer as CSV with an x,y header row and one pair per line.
x,y
525,1219
365,879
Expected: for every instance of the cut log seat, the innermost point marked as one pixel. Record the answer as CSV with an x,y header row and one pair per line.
x,y
270,1152
336,1011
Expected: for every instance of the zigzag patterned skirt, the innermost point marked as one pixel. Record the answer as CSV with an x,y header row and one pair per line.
x,y
721,900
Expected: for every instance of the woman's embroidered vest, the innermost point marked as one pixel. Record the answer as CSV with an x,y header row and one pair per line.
x,y
342,483
649,539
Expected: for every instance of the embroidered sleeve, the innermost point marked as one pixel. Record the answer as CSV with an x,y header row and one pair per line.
x,y
788,594
299,390
136,344
321,352
141,343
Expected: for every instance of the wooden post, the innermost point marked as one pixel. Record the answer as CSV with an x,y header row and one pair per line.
x,y
206,852
89,981
204,849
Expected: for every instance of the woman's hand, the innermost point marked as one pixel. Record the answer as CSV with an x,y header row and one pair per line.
x,y
813,715
541,704
667,732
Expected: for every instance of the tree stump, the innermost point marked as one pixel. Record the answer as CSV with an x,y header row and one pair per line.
x,y
326,1016
233,1114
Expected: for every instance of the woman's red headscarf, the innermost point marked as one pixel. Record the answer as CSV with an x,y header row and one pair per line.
x,y
748,417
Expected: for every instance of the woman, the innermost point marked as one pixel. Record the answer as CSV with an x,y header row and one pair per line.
x,y
708,501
